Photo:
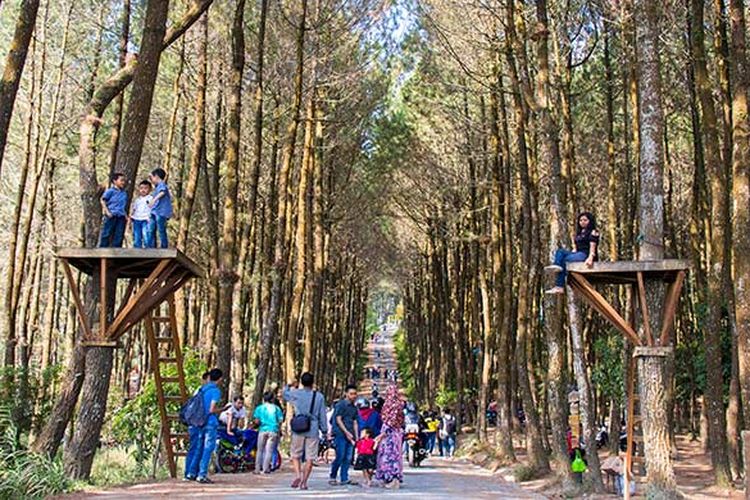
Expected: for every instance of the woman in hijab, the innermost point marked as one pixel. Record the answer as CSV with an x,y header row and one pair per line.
x,y
586,243
390,468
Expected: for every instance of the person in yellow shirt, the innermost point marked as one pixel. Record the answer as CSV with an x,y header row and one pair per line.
x,y
430,432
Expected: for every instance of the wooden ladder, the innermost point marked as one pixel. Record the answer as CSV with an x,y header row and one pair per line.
x,y
169,379
634,458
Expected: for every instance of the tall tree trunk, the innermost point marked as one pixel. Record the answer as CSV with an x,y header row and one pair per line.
x,y
717,270
271,325
13,70
651,369
227,271
80,451
741,198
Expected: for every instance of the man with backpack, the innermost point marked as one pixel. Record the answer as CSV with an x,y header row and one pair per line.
x,y
200,413
447,433
309,419
192,415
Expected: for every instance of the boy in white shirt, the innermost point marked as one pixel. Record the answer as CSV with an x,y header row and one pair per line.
x,y
140,214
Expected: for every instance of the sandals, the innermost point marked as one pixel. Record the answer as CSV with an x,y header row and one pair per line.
x,y
297,481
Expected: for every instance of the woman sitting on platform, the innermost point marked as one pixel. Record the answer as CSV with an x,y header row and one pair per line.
x,y
586,243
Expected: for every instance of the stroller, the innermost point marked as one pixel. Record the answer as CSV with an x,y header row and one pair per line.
x,y
237,453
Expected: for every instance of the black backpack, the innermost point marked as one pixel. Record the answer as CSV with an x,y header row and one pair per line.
x,y
303,422
450,425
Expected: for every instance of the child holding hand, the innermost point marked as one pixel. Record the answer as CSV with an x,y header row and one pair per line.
x,y
366,458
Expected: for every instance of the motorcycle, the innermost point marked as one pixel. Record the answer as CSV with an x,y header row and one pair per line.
x,y
237,453
415,445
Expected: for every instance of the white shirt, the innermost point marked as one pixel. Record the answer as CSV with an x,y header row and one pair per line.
x,y
140,209
236,414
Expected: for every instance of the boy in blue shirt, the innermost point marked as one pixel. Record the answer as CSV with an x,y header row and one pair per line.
x,y
114,201
161,209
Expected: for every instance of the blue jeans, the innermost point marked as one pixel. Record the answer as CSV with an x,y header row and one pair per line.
x,y
140,233
194,451
562,257
344,454
113,231
430,445
209,445
449,445
157,223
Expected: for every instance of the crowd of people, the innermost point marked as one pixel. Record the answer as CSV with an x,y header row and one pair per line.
x,y
366,433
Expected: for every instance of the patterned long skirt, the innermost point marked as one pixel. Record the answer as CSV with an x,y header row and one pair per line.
x,y
390,458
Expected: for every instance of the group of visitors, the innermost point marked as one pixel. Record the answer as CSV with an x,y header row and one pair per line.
x,y
380,373
440,431
231,421
368,434
148,214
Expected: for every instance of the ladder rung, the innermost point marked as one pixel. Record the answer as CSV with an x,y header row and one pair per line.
x,y
167,360
173,399
180,453
164,339
173,416
169,380
162,319
179,435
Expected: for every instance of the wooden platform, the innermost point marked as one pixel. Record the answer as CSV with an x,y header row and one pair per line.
x,y
153,275
626,271
126,262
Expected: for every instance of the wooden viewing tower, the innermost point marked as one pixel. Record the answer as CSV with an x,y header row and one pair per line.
x,y
153,275
635,274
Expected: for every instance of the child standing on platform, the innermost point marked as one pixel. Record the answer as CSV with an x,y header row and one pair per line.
x,y
140,214
114,200
161,209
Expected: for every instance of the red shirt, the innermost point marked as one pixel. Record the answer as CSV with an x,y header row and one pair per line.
x,y
366,446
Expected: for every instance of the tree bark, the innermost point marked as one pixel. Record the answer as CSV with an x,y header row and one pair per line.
x,y
651,370
227,272
717,270
13,70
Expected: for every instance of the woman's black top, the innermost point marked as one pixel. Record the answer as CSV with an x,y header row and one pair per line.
x,y
584,240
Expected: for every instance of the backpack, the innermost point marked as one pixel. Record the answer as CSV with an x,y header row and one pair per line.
x,y
303,422
578,465
193,412
450,425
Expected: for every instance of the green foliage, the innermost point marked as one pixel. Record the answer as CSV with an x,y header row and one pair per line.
x,y
446,397
136,424
24,474
607,373
403,358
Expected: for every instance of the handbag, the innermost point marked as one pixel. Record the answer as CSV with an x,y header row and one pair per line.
x,y
303,422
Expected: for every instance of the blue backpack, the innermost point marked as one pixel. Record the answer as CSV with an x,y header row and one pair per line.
x,y
193,412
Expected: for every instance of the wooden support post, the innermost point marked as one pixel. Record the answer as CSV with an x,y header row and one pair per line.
x,y
746,454
76,300
102,299
644,308
582,285
670,307
628,468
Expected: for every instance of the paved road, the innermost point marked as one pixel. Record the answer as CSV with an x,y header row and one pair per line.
x,y
438,478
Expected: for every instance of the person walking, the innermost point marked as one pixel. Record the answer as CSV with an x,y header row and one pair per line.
x,y
390,465
195,434
211,397
447,433
268,417
345,432
309,419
